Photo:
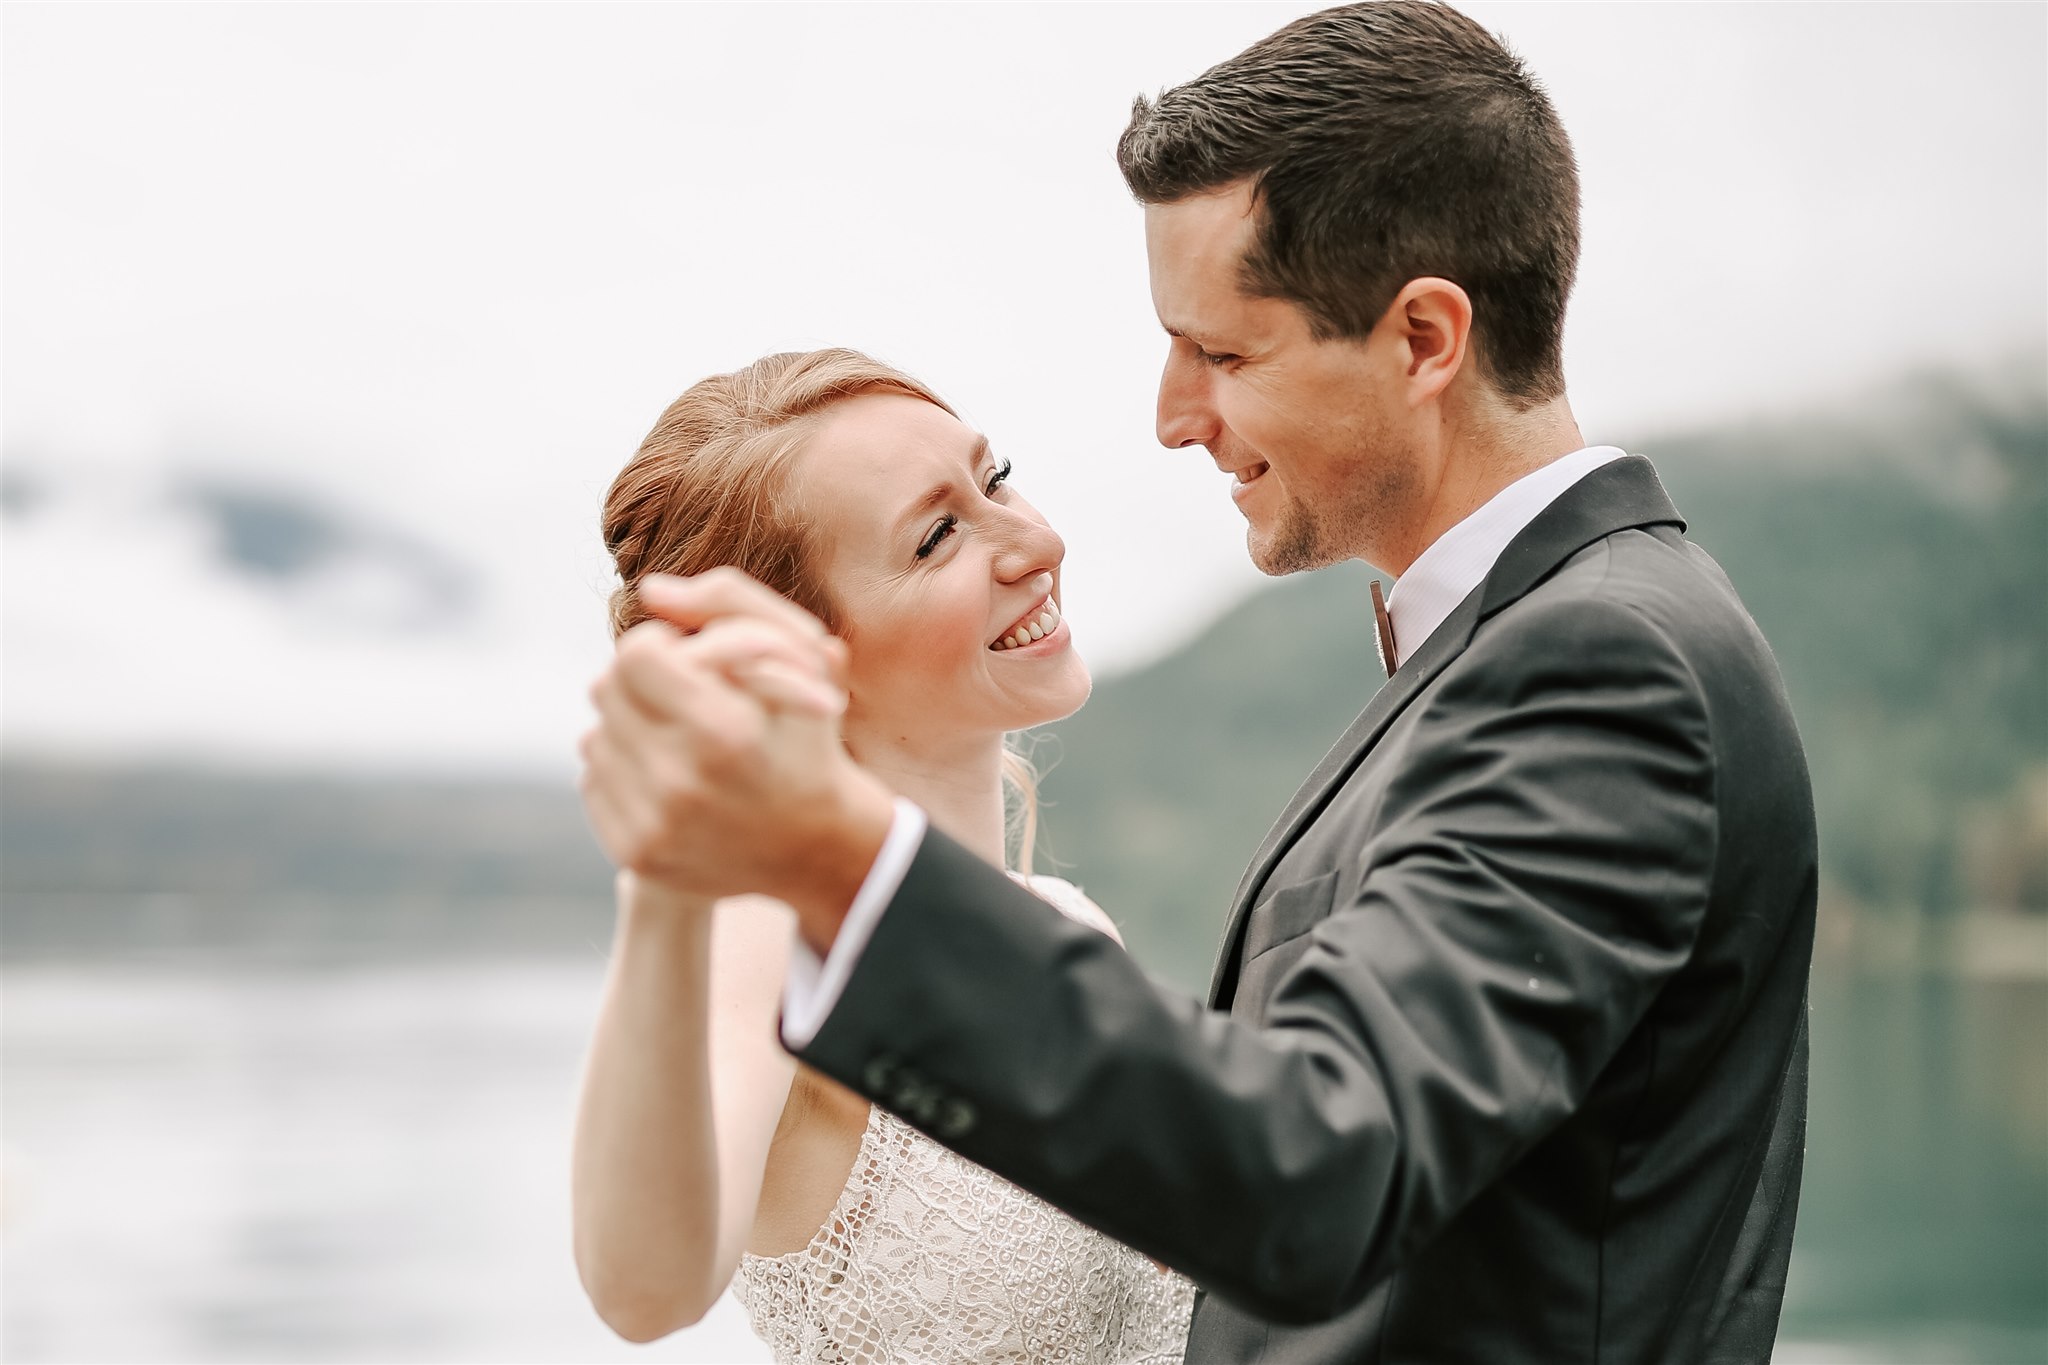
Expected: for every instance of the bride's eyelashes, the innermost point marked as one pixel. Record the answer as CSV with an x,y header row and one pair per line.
x,y
938,533
945,525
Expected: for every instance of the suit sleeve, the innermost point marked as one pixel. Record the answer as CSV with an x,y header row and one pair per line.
x,y
1538,869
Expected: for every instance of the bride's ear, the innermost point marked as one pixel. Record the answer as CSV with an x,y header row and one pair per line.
x,y
838,661
846,740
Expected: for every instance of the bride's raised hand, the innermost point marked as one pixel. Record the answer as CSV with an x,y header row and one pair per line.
x,y
716,763
725,598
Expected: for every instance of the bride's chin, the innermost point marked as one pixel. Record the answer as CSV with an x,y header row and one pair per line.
x,y
1058,704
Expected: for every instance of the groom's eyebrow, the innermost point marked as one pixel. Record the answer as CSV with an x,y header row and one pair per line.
x,y
932,498
1207,343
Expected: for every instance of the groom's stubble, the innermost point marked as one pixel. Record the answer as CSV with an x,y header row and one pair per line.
x,y
1316,533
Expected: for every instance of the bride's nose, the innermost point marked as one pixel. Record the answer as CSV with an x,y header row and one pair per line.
x,y
1029,547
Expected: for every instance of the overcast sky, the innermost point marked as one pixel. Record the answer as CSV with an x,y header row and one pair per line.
x,y
433,271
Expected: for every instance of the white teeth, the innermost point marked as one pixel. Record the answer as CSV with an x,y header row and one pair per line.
x,y
1035,627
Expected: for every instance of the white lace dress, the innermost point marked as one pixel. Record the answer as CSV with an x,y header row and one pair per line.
x,y
928,1258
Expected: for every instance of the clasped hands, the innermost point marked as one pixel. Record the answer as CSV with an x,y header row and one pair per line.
x,y
716,767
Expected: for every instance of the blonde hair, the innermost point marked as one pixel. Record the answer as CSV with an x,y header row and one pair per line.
x,y
710,486
1020,824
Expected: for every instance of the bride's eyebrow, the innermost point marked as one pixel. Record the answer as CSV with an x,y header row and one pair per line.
x,y
932,498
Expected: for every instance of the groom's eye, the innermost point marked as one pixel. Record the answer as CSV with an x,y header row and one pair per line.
x,y
1215,359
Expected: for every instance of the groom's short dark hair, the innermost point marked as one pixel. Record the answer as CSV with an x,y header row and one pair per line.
x,y
1385,142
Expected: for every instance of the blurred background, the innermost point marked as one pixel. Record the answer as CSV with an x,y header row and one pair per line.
x,y
326,327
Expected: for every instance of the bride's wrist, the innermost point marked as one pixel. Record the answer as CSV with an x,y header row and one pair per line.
x,y
650,896
841,851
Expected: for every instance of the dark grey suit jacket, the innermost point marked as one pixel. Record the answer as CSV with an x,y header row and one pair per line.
x,y
1505,1055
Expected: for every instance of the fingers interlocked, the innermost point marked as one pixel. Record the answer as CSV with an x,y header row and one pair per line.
x,y
732,685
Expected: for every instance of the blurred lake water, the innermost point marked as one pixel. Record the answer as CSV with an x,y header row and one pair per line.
x,y
273,1161
224,1151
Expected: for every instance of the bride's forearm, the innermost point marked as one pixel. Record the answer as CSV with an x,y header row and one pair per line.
x,y
645,1179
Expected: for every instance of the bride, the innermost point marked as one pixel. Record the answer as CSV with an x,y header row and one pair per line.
x,y
706,1156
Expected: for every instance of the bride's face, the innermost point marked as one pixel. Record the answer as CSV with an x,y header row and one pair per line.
x,y
938,567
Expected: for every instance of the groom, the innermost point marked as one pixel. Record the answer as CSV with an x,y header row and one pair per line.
x,y
1504,1059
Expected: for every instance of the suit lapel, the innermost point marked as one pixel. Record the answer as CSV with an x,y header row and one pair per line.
x,y
1614,497
1345,755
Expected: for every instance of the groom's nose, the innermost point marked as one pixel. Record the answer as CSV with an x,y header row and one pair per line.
x,y
1187,408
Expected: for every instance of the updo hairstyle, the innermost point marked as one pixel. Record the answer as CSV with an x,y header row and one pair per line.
x,y
710,484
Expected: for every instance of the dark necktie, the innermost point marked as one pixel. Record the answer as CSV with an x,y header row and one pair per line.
x,y
1386,630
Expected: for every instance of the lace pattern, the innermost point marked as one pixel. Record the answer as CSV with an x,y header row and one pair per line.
x,y
927,1257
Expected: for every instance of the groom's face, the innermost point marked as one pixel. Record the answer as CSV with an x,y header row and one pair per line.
x,y
1311,431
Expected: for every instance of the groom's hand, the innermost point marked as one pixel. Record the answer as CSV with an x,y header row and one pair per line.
x,y
716,764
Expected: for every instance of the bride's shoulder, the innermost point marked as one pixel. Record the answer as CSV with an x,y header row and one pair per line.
x,y
1071,901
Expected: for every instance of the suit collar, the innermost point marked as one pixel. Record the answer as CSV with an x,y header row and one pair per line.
x,y
1459,559
1615,497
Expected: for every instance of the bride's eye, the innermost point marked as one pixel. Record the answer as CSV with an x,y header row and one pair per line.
x,y
997,479
939,532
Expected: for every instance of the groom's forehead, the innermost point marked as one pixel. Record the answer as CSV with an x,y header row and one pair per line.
x,y
1195,251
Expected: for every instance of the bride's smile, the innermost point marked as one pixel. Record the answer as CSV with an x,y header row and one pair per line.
x,y
1041,623
945,580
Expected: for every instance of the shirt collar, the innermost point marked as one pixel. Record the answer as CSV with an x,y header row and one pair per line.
x,y
1459,560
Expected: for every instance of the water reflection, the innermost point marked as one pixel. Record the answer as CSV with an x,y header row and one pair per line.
x,y
1923,1224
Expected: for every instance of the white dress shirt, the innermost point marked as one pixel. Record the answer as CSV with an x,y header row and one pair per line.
x,y
1441,577
1459,560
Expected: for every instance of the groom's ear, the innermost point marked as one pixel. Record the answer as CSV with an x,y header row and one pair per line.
x,y
1431,321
